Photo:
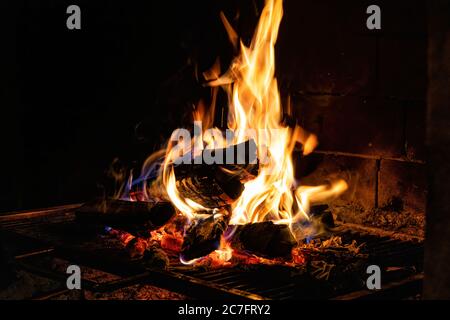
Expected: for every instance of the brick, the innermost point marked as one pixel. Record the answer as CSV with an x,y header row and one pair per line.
x,y
403,67
360,175
402,16
319,50
402,183
324,46
353,124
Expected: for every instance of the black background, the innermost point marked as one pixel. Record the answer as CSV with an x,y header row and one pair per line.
x,y
74,100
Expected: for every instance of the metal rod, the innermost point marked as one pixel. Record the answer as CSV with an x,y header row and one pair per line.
x,y
37,213
34,253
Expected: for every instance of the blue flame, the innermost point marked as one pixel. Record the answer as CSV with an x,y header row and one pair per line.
x,y
149,173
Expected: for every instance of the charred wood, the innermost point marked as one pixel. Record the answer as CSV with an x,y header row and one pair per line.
x,y
321,214
203,236
239,156
263,238
217,184
204,190
137,218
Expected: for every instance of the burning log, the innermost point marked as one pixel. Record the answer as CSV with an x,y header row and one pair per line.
x,y
322,214
217,184
156,258
204,190
263,238
240,156
203,236
138,218
147,250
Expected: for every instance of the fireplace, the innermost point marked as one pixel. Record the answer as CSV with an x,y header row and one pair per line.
x,y
295,166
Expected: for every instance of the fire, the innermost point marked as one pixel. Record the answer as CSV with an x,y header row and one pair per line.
x,y
225,252
254,104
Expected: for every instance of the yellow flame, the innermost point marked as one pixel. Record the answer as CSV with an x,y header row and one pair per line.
x,y
254,103
225,252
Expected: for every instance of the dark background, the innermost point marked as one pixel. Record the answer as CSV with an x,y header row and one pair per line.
x,y
77,99
74,100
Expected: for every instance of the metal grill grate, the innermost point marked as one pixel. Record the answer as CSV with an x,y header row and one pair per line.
x,y
32,241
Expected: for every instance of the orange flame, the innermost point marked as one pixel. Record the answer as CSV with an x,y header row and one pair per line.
x,y
254,104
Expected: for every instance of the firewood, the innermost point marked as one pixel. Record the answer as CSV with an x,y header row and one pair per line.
x,y
204,190
263,238
216,185
155,257
321,214
137,218
244,157
203,235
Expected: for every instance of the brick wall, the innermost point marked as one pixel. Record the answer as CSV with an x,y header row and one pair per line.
x,y
363,93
